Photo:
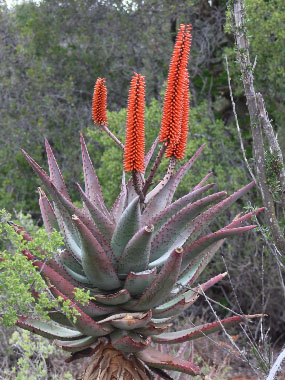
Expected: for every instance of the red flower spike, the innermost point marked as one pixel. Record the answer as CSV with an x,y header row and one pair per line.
x,y
134,147
99,102
170,131
178,149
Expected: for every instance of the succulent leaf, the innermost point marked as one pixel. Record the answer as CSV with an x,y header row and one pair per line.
x,y
69,262
162,360
65,287
127,341
48,329
128,225
95,261
194,269
203,220
85,324
117,298
105,225
150,153
197,331
203,243
47,212
161,286
135,256
137,283
55,174
160,219
120,202
92,185
162,197
178,228
152,329
127,321
75,345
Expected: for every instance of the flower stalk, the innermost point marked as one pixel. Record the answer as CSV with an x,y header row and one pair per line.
x,y
99,109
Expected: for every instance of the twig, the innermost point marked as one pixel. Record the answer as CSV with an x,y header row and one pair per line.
x,y
154,169
117,141
237,123
226,333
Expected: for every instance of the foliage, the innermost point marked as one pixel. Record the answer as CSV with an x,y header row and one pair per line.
x,y
33,353
20,282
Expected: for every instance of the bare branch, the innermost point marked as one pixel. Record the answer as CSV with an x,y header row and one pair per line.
x,y
237,123
255,119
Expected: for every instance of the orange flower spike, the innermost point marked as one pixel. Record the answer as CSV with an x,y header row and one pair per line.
x,y
135,144
99,103
178,150
173,101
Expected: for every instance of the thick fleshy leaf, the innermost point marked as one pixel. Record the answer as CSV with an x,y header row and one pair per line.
x,y
152,329
202,221
237,222
63,210
90,225
105,225
118,298
178,228
120,203
128,341
182,302
47,212
75,345
204,180
69,261
85,324
55,174
135,256
128,225
162,285
194,269
203,243
72,209
175,309
92,185
96,263
137,283
78,277
162,360
60,318
129,321
160,198
69,290
58,267
48,329
160,219
70,233
199,331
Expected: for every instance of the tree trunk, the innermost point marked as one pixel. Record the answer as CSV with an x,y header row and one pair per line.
x,y
110,364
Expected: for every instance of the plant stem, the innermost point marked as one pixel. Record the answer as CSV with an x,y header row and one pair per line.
x,y
154,169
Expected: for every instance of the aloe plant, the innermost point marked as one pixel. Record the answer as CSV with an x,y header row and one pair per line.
x,y
141,259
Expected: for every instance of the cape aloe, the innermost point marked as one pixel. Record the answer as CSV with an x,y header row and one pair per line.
x,y
141,258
